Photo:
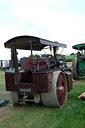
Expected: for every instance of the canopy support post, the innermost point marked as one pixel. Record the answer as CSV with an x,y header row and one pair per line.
x,y
31,56
14,60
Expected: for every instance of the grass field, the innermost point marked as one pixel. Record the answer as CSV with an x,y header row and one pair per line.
x,y
71,57
72,115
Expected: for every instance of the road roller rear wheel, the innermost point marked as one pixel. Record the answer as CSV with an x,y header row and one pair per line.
x,y
75,70
58,95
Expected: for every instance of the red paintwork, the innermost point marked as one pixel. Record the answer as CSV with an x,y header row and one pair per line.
x,y
42,65
39,63
10,82
41,82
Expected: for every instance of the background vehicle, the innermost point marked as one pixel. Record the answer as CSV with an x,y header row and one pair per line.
x,y
4,64
44,79
78,66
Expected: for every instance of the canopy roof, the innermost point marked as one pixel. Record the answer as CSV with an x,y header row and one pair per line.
x,y
79,46
23,42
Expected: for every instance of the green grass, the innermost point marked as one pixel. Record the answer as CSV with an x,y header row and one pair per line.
x,y
71,57
71,115
3,93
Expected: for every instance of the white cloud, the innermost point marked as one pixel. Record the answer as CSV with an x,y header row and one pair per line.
x,y
58,25
61,26
7,31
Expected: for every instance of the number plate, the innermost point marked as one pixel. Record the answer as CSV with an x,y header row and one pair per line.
x,y
25,89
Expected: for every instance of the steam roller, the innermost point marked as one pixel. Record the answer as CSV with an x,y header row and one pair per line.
x,y
37,79
58,96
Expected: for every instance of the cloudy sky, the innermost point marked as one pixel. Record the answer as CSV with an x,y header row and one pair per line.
x,y
55,20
